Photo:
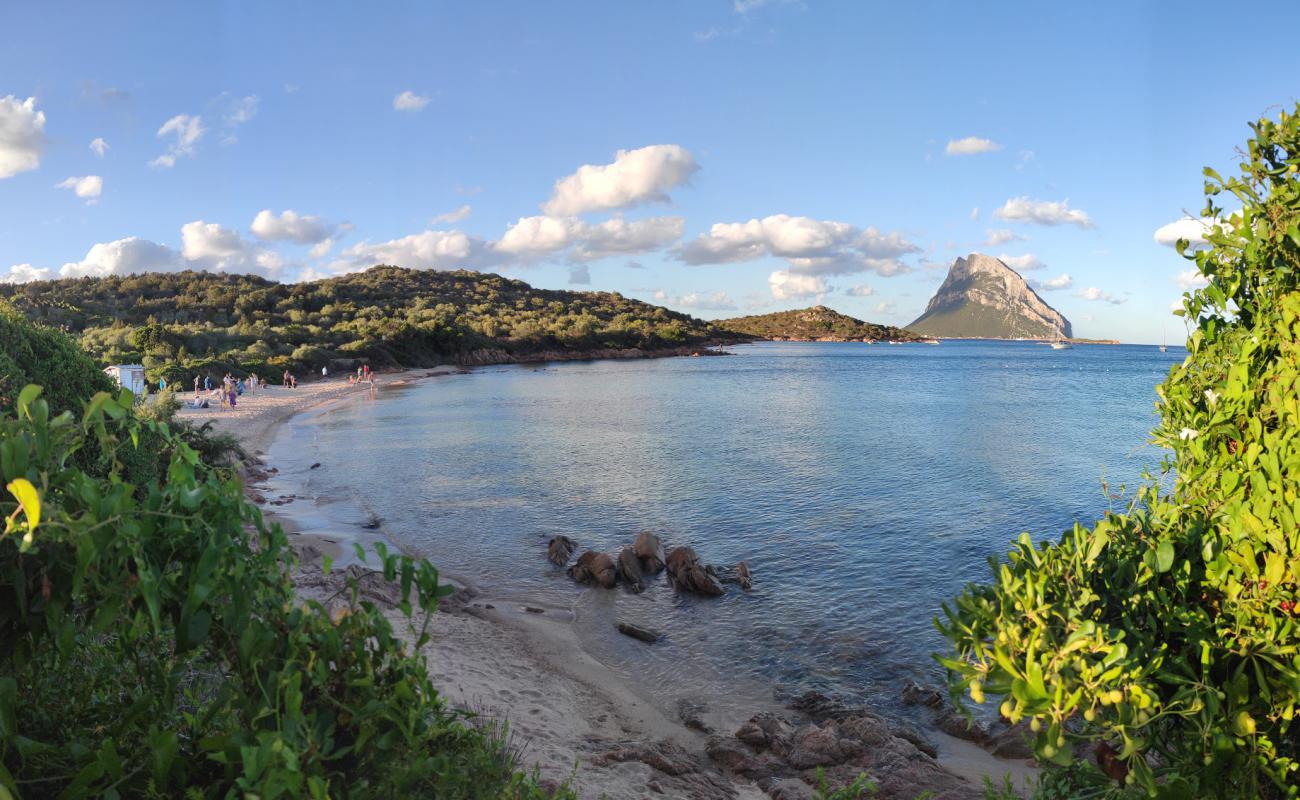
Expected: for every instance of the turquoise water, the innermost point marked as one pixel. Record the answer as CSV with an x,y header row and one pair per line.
x,y
864,484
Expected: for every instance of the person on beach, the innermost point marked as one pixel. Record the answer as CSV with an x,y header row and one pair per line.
x,y
196,385
207,383
293,382
323,372
285,380
358,374
162,384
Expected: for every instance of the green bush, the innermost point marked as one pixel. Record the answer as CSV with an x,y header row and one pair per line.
x,y
151,644
34,354
1167,638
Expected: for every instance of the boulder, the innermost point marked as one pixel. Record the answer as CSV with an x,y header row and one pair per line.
x,y
604,572
560,550
699,580
581,569
679,558
630,566
814,746
650,551
914,694
742,575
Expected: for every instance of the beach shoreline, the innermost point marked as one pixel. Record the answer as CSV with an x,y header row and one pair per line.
x,y
520,660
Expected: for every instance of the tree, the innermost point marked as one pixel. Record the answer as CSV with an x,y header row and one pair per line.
x,y
1167,638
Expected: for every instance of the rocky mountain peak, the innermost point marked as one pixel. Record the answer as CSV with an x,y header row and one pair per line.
x,y
982,297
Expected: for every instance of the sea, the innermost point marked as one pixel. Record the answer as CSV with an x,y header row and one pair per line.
x,y
865,485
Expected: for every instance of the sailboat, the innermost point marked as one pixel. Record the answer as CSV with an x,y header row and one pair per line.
x,y
1164,338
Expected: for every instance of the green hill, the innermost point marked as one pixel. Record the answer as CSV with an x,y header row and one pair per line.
x,y
818,323
180,323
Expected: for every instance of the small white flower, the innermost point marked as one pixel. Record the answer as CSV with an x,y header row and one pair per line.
x,y
1212,396
1187,434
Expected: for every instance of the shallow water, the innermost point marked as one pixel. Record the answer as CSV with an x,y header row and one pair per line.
x,y
863,484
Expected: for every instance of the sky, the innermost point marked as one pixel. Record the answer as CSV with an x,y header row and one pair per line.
x,y
719,157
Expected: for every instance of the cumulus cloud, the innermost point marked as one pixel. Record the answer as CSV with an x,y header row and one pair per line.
x,y
789,286
579,275
811,247
22,135
321,248
1025,263
290,226
99,147
124,257
209,246
1062,281
410,101
697,301
995,237
886,307
635,177
1042,212
25,273
1192,229
452,217
87,187
1092,293
426,250
861,290
187,131
969,146
541,236
1191,279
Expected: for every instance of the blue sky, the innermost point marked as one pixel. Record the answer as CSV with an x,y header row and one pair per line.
x,y
773,154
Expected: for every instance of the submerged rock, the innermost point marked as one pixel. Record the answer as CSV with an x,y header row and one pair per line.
x,y
742,575
638,632
560,550
630,565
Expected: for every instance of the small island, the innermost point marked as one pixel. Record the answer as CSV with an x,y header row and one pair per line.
x,y
816,324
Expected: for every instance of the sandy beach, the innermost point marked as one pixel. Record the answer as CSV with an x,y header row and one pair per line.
x,y
521,663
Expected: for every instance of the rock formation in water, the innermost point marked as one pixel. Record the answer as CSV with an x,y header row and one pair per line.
x,y
816,324
983,298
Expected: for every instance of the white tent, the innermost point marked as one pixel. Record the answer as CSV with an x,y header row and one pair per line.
x,y
130,376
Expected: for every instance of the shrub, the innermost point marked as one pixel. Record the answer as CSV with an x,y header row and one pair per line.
x,y
151,644
31,353
1165,638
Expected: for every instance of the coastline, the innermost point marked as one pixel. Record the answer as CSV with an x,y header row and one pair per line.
x,y
569,714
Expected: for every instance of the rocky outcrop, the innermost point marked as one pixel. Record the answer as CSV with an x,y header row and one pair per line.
x,y
651,553
594,568
630,566
983,298
689,575
779,756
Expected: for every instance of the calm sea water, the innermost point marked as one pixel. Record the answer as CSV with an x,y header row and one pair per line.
x,y
863,484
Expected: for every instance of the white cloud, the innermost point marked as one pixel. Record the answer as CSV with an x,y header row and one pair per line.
x,y
974,213
1042,212
788,286
22,135
1024,263
635,177
1190,228
124,257
208,246
861,290
99,147
697,301
25,273
1092,293
969,146
886,307
540,236
452,217
425,250
290,226
811,247
87,187
579,275
410,101
1191,279
321,248
188,131
1062,281
995,237
235,112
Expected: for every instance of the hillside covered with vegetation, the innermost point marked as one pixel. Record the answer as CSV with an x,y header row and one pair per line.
x,y
813,324
180,323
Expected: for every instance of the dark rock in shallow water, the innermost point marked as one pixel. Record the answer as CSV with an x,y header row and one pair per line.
x,y
691,713
638,632
581,569
630,566
650,551
560,549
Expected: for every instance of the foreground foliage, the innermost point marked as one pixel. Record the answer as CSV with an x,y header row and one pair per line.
x,y
151,644
1164,643
178,324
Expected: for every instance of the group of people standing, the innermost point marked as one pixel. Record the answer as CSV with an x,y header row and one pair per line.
x,y
226,395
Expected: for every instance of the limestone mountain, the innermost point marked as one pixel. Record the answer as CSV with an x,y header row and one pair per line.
x,y
983,298
818,323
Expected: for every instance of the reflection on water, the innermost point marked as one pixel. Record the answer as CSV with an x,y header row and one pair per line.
x,y
863,484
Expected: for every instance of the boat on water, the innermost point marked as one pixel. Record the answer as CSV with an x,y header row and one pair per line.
x,y
1061,345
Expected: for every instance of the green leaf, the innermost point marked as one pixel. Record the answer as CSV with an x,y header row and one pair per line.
x,y
1164,556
